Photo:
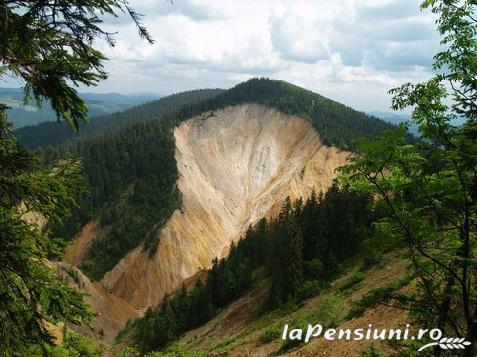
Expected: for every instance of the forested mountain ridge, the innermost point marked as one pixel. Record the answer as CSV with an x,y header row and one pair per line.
x,y
56,133
131,174
99,104
338,124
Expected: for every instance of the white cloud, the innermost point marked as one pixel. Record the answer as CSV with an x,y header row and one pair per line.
x,y
353,51
300,31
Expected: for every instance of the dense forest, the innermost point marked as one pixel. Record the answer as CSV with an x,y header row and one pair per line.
x,y
136,171
56,133
301,251
131,174
337,124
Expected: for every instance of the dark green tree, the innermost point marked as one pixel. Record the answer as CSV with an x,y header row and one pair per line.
x,y
31,294
48,46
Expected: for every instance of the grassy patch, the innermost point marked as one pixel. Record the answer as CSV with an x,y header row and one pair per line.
x,y
377,296
352,281
330,312
270,334
226,345
289,344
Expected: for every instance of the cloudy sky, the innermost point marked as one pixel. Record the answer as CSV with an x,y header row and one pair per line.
x,y
352,51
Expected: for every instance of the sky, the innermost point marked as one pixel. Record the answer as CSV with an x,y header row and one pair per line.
x,y
352,51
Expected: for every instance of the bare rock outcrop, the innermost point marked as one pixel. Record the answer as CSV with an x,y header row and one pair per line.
x,y
236,166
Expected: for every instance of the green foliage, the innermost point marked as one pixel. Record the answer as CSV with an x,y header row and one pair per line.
x,y
289,344
429,190
270,334
286,262
377,296
371,351
74,345
328,229
30,293
309,289
353,280
331,311
50,47
410,348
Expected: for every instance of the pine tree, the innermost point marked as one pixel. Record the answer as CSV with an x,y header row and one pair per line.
x,y
310,227
31,294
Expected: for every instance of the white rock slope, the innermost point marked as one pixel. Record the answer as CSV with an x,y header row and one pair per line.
x,y
236,166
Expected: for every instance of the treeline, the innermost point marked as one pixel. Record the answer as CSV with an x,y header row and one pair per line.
x,y
302,249
336,123
226,280
56,133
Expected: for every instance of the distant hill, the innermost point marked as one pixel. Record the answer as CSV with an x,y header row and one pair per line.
x,y
56,133
98,104
395,119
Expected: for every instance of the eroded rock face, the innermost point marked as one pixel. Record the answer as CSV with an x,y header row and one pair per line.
x,y
113,312
236,166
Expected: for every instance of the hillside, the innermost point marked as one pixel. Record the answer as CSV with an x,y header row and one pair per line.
x,y
98,104
243,328
57,133
133,172
337,124
166,196
273,156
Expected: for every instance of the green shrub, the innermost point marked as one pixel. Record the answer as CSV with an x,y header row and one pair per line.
x,y
309,289
74,345
270,334
377,296
314,268
353,280
330,312
371,351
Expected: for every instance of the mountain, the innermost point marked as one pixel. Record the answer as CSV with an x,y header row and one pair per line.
x,y
56,133
21,114
173,191
396,119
